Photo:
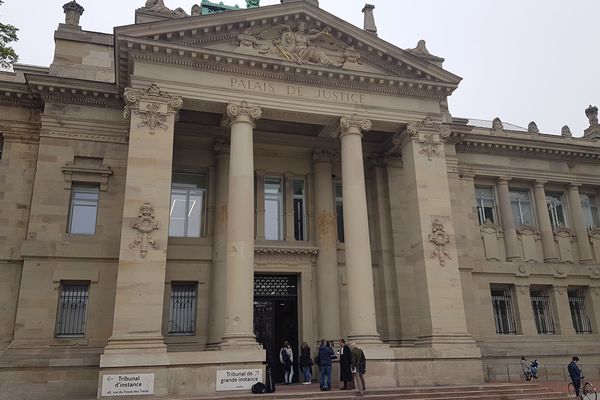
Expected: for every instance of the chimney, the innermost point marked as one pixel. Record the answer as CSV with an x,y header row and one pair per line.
x,y
369,19
313,2
73,12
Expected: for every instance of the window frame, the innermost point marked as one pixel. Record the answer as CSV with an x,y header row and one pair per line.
x,y
82,188
479,205
588,205
580,317
554,200
504,324
280,198
518,220
338,201
541,301
302,197
188,189
58,324
193,313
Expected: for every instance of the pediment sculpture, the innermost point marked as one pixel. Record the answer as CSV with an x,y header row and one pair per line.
x,y
297,44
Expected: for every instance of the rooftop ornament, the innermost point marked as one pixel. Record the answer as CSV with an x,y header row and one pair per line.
x,y
566,131
533,128
73,12
592,113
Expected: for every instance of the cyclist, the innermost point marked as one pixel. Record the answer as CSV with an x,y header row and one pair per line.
x,y
575,374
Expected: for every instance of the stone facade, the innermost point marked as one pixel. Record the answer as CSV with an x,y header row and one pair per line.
x,y
455,247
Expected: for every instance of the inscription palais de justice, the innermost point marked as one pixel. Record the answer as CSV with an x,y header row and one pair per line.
x,y
338,96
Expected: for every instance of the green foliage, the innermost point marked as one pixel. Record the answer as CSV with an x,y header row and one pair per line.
x,y
8,33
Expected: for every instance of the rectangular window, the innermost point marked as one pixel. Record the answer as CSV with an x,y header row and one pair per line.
x,y
299,210
182,315
84,209
188,204
590,211
581,321
521,207
273,208
556,209
72,308
542,312
486,205
502,305
339,210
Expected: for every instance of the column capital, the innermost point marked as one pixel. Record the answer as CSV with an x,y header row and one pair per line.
x,y
503,180
539,183
354,124
244,110
574,186
324,156
152,105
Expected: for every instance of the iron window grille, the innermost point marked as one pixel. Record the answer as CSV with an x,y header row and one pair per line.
x,y
275,286
579,315
83,210
486,205
182,315
502,305
542,312
72,308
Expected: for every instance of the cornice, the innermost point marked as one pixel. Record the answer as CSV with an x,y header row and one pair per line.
x,y
18,95
20,131
84,129
75,91
285,249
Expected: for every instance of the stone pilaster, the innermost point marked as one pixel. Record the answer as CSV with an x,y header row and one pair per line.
x,y
431,249
219,186
548,245
583,242
143,250
239,309
384,238
524,312
508,225
563,323
326,237
361,298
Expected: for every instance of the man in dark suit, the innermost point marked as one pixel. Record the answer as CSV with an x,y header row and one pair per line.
x,y
345,365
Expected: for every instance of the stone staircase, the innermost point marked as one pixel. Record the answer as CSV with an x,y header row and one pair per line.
x,y
508,391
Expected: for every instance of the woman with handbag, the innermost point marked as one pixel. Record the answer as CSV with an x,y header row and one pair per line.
x,y
306,363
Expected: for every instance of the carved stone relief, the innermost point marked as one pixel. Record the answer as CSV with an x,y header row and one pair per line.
x,y
528,235
491,233
145,225
429,135
152,105
440,239
564,237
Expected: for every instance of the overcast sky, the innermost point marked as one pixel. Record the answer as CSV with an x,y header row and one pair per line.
x,y
520,60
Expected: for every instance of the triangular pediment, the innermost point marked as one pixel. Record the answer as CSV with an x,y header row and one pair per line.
x,y
296,37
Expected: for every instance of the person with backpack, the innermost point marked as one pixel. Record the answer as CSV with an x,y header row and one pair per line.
x,y
286,357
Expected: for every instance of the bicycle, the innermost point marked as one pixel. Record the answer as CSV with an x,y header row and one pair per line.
x,y
587,391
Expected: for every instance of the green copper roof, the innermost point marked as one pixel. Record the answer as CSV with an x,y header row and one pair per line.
x,y
212,8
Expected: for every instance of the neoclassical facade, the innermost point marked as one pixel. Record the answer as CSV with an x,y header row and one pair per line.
x,y
180,197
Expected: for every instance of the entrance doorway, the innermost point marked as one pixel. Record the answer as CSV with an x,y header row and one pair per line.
x,y
276,318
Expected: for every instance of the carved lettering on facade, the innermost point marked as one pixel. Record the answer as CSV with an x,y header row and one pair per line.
x,y
145,225
440,239
304,92
429,135
152,105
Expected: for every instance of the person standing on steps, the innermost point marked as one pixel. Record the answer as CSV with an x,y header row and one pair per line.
x,y
325,356
359,368
526,367
306,363
345,365
286,357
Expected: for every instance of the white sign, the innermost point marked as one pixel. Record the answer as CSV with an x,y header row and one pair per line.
x,y
238,379
127,385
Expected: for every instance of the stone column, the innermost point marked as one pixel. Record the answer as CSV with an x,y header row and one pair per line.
x,y
583,242
544,222
385,249
218,281
524,310
563,322
289,206
143,250
359,269
508,225
239,308
326,237
260,205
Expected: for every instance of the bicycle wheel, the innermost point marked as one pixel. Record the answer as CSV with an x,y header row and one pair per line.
x,y
588,391
571,389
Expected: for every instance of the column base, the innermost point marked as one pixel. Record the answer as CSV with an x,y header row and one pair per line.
x,y
514,259
136,345
551,260
365,338
443,340
236,341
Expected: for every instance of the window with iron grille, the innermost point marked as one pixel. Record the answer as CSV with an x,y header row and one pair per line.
x,y
72,308
542,312
486,205
83,210
339,210
182,315
579,315
502,305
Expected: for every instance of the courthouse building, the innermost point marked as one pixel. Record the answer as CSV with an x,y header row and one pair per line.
x,y
181,196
